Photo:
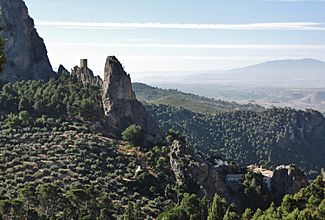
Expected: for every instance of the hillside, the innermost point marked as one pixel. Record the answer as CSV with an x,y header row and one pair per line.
x,y
269,137
78,172
188,101
57,161
75,146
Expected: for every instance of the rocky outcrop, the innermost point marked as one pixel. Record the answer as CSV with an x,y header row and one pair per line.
x,y
287,180
62,71
117,83
83,74
86,76
25,51
121,107
195,173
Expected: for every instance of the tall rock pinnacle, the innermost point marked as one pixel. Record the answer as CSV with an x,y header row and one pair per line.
x,y
25,51
117,84
120,104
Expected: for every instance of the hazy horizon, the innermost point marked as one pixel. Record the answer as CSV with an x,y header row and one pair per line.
x,y
229,34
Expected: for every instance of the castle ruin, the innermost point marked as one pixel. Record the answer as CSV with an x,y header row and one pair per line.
x,y
83,63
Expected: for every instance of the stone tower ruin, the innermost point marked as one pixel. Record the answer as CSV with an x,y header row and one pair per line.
x,y
83,63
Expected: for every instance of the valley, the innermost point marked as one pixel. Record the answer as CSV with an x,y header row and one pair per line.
x,y
75,145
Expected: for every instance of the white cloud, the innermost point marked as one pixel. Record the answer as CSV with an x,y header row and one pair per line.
x,y
311,26
195,46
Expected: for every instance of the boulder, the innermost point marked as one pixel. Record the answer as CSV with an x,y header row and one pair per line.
x,y
25,51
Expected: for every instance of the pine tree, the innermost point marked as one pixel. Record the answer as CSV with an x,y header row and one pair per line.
x,y
248,214
231,213
130,212
320,212
257,214
217,209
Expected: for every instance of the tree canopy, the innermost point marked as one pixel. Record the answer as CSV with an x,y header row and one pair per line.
x,y
268,138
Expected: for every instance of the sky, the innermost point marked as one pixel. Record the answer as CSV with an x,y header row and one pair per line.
x,y
179,35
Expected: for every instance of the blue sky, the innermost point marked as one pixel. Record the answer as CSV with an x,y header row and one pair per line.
x,y
179,35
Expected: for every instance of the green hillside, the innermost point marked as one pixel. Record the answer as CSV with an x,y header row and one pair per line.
x,y
188,101
77,173
269,137
58,163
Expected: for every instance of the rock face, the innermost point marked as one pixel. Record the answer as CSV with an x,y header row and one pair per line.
x,y
120,104
62,70
86,76
25,51
287,180
83,74
190,169
117,83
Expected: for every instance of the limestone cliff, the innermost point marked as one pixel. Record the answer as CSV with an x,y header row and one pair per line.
x,y
117,83
25,51
86,76
287,180
121,107
196,173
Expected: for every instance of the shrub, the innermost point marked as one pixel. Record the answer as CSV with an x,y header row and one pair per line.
x,y
134,135
23,116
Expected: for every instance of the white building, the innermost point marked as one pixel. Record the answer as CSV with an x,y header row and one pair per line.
x,y
267,174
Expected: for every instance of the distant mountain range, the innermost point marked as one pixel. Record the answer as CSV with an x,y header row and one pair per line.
x,y
287,73
291,73
294,83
